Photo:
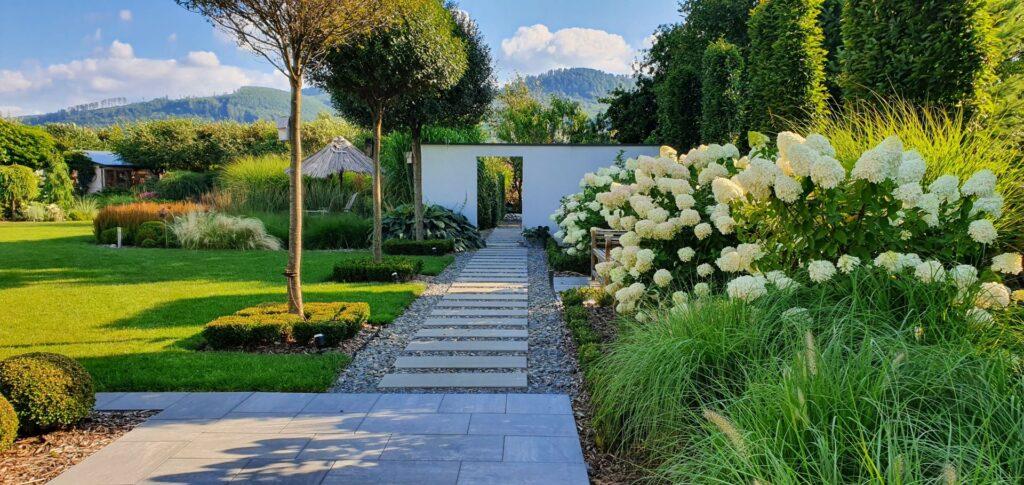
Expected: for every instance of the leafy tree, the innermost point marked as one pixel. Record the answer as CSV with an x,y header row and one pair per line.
x,y
939,52
786,64
191,144
721,93
419,54
18,185
1007,93
29,146
463,104
630,116
292,35
69,136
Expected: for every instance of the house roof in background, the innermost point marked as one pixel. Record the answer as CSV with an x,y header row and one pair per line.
x,y
106,159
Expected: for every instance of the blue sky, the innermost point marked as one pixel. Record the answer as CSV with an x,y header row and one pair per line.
x,y
58,53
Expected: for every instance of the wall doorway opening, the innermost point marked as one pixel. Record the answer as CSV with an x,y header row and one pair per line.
x,y
499,191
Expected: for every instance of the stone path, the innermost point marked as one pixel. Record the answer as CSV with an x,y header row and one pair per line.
x,y
477,335
340,438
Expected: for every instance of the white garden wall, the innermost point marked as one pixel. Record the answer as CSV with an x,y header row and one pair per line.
x,y
549,173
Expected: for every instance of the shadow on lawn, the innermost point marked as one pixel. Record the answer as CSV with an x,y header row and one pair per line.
x,y
385,306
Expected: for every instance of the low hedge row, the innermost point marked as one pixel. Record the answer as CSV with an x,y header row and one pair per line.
x,y
44,391
426,247
577,316
270,323
364,269
577,263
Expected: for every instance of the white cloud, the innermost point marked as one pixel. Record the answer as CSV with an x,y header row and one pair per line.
x,y
11,111
173,37
125,15
118,73
536,49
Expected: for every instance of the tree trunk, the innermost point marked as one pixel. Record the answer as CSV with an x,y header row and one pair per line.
x,y
417,180
377,236
293,271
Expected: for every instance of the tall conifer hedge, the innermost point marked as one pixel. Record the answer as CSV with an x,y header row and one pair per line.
x,y
721,92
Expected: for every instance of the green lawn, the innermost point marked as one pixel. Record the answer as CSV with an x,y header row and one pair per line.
x,y
133,316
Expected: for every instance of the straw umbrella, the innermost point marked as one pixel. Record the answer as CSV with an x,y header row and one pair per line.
x,y
337,157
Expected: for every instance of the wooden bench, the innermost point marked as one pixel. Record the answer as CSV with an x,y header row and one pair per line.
x,y
602,241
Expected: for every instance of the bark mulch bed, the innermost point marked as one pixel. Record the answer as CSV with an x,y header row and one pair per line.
x,y
38,459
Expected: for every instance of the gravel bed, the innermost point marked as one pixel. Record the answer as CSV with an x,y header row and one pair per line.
x,y
551,362
376,358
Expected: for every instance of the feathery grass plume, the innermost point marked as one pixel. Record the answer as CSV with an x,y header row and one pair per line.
x,y
900,357
949,474
728,429
811,353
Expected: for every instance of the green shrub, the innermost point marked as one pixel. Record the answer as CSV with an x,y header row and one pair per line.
x,y
29,146
18,185
108,236
211,230
426,247
490,208
438,223
721,110
183,185
154,231
57,188
46,390
193,144
336,321
560,261
364,269
575,313
587,355
271,323
927,52
8,424
786,64
336,231
34,212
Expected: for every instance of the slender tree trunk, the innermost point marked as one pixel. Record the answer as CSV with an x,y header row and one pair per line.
x,y
293,271
417,179
377,236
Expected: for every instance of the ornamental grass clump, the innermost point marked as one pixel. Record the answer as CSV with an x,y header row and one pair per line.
x,y
212,230
130,216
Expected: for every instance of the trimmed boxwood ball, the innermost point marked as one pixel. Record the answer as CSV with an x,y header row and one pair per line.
x,y
47,390
108,236
8,424
154,231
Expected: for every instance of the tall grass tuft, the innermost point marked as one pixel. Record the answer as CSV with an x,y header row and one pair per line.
x,y
83,209
950,142
260,184
130,216
211,230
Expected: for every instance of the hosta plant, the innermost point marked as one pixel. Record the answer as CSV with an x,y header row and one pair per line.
x,y
438,223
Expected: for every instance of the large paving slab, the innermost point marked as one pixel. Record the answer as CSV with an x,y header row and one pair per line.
x,y
474,322
461,362
387,438
522,296
481,304
455,379
471,333
510,312
467,346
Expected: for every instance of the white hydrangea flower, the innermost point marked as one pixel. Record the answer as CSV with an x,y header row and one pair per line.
x,y
685,201
847,263
662,277
742,163
787,189
758,178
603,268
701,290
645,228
982,231
702,230
711,172
665,231
680,298
746,288
704,270
629,238
725,190
646,255
686,254
889,260
871,166
909,260
627,222
911,169
982,184
787,141
724,224
978,316
993,295
1009,263
909,193
618,275
963,275
820,145
991,205
1017,295
821,270
930,271
946,188
667,152
827,172
780,280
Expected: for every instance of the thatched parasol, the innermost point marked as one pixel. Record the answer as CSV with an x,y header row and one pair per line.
x,y
338,156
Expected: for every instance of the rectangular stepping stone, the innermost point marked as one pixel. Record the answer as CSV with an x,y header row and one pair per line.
x,y
523,424
489,284
485,297
509,473
468,346
511,312
462,362
481,304
543,449
470,333
407,403
347,472
519,274
444,448
487,290
461,379
473,322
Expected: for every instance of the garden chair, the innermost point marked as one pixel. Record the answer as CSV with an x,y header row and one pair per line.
x,y
602,241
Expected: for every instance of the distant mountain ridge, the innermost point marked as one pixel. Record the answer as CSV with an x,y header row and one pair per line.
x,y
251,103
246,104
580,84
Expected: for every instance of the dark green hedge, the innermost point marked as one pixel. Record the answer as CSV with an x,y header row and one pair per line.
x,y
490,196
559,261
786,65
391,268
934,51
426,247
721,93
47,390
271,323
8,424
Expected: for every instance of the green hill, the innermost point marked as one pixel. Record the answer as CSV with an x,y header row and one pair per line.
x,y
247,104
579,84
